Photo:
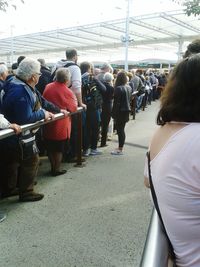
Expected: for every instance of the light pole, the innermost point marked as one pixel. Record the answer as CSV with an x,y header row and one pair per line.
x,y
127,36
12,44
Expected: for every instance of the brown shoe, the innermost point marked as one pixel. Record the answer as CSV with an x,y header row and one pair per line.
x,y
30,196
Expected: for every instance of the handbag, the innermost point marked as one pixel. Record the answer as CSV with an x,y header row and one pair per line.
x,y
27,145
153,193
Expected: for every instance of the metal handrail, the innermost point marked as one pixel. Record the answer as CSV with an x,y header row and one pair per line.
x,y
8,132
156,249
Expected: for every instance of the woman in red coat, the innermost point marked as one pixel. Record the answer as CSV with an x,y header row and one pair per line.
x,y
56,133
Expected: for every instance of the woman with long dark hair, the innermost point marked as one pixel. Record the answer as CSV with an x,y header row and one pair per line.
x,y
121,109
175,163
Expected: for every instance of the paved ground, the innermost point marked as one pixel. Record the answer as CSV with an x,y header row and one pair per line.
x,y
96,216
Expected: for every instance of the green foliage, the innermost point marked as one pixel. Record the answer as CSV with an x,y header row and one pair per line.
x,y
4,4
192,7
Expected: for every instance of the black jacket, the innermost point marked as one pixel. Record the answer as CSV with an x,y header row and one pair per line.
x,y
45,78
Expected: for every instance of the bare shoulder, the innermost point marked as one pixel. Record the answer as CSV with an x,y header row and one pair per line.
x,y
162,135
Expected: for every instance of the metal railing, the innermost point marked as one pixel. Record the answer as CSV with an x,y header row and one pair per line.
x,y
8,132
156,249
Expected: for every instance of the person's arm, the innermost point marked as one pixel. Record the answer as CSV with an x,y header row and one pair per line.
x,y
146,173
146,182
47,105
17,129
76,84
71,103
101,87
5,124
23,110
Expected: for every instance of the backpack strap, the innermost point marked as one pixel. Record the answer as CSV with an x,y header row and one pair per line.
x,y
70,64
153,193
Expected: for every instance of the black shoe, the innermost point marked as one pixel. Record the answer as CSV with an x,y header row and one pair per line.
x,y
56,173
103,145
14,192
74,160
30,197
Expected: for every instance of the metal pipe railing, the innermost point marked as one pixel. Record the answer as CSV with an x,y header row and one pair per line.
x,y
8,132
156,249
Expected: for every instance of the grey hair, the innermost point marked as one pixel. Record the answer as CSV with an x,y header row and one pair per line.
x,y
27,68
108,77
107,67
3,69
63,75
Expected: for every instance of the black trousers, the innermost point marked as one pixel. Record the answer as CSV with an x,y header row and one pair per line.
x,y
92,126
120,124
105,119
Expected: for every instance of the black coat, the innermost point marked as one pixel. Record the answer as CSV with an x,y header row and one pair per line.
x,y
45,78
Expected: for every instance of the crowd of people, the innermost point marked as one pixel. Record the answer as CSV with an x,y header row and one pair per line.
x,y
31,92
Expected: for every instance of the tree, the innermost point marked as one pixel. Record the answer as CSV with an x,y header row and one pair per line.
x,y
192,7
4,4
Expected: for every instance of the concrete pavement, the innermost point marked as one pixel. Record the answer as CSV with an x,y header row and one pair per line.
x,y
95,216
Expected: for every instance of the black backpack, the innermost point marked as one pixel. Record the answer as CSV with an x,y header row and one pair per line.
x,y
91,94
65,66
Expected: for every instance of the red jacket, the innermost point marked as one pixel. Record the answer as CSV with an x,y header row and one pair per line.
x,y
60,95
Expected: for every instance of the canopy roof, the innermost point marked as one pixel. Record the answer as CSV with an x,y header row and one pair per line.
x,y
162,30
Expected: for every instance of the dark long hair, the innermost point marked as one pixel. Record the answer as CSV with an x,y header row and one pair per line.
x,y
121,79
181,98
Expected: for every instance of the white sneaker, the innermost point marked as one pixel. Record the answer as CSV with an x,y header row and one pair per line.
x,y
95,152
117,152
86,153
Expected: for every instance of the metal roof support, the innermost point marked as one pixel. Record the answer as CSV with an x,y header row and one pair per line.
x,y
180,49
180,23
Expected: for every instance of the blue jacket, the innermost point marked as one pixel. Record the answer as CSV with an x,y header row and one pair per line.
x,y
19,101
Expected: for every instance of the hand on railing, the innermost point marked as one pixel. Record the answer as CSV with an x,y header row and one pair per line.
x,y
49,116
65,112
17,129
83,106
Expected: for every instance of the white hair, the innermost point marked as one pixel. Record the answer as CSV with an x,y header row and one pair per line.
x,y
63,75
27,68
108,77
3,69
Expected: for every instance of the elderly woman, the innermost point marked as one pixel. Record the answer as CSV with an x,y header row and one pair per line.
x,y
22,104
121,109
58,132
174,162
106,106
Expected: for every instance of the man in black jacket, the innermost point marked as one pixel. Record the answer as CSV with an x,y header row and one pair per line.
x,y
45,77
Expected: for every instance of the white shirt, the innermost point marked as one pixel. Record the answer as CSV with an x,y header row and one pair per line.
x,y
4,124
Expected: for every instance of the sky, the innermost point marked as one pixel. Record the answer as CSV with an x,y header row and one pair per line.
x,y
42,15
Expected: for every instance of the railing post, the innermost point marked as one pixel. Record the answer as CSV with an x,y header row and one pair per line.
x,y
156,249
79,140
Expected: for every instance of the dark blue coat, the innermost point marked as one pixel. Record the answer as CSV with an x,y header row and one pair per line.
x,y
18,105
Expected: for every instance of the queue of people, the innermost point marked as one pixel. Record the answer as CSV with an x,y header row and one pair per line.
x,y
32,92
